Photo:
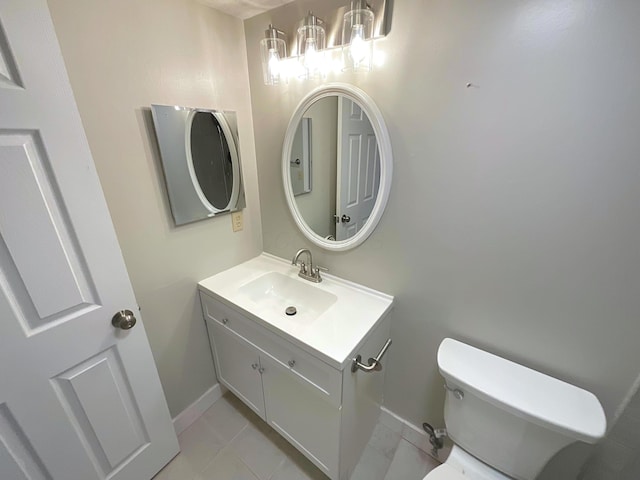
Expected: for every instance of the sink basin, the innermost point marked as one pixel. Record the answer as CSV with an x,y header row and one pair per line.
x,y
277,292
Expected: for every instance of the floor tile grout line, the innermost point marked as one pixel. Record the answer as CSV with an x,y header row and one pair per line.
x,y
251,469
282,462
254,473
236,435
226,445
212,457
232,452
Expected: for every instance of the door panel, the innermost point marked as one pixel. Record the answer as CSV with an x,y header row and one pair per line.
x,y
372,170
36,231
18,459
99,402
237,366
79,399
9,77
358,168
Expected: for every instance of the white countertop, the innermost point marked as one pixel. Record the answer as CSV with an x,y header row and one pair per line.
x,y
332,336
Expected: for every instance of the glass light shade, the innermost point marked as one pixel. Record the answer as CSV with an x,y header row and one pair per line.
x,y
357,43
273,52
311,46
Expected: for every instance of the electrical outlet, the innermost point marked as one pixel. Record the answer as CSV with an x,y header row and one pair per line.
x,y
236,221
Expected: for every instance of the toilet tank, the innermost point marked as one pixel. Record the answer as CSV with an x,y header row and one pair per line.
x,y
509,416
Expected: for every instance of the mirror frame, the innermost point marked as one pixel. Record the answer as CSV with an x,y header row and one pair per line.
x,y
386,163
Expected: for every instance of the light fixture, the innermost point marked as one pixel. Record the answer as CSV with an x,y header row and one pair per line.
x,y
350,49
311,45
274,50
357,34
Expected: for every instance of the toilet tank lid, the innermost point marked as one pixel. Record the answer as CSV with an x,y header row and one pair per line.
x,y
524,392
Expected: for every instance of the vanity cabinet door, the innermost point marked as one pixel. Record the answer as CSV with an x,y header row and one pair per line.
x,y
302,415
238,366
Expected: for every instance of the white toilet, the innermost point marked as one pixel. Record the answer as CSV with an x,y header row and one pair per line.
x,y
506,420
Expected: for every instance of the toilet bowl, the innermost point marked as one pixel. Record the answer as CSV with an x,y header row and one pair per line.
x,y
506,420
462,466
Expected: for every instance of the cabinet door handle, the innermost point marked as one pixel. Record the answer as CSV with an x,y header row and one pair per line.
x,y
261,370
225,320
292,363
254,366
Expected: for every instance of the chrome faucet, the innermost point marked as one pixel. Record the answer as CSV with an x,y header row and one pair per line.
x,y
307,270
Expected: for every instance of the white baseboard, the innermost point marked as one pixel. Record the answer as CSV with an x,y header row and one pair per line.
x,y
184,419
411,433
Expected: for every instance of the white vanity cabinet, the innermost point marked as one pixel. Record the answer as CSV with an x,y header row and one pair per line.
x,y
326,411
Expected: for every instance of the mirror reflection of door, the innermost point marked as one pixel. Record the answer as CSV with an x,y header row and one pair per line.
x,y
211,159
358,169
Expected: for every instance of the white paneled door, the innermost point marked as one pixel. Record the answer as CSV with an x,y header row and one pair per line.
x,y
80,399
358,169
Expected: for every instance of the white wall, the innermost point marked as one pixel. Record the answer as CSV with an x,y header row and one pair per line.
x,y
513,219
122,56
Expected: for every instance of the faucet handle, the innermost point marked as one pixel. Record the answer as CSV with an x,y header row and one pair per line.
x,y
316,272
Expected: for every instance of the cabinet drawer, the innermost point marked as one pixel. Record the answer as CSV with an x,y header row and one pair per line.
x,y
308,369
303,366
233,320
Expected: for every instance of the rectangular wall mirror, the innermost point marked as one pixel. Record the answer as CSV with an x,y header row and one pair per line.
x,y
201,161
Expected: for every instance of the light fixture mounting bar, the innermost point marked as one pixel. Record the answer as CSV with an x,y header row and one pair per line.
x,y
333,20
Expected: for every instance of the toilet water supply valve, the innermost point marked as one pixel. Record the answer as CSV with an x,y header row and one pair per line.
x,y
436,437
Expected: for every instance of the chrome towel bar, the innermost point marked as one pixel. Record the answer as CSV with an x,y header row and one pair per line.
x,y
374,363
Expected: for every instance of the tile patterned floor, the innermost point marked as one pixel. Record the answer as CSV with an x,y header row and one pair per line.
x,y
230,442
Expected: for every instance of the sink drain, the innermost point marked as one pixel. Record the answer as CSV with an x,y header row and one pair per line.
x,y
291,311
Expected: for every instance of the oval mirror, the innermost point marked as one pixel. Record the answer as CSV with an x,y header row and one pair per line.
x,y
212,162
337,166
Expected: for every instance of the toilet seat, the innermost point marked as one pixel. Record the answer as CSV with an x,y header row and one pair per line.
x,y
445,472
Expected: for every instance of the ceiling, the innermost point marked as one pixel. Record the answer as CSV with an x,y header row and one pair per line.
x,y
244,8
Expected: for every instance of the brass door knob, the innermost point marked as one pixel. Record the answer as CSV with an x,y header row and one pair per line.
x,y
124,319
